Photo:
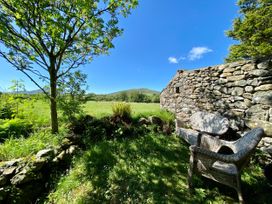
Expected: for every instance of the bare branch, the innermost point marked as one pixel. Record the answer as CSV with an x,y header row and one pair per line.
x,y
24,72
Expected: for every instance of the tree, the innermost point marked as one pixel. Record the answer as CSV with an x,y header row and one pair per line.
x,y
123,96
253,29
47,39
17,86
72,94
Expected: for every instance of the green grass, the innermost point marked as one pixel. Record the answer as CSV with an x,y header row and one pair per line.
x,y
38,113
100,109
149,169
35,111
22,147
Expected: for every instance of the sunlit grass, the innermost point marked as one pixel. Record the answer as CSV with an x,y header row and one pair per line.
x,y
22,147
100,109
149,169
35,111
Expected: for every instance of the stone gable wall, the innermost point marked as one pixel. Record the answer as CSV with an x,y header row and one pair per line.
x,y
241,91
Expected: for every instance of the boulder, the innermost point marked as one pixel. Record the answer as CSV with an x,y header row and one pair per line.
x,y
208,122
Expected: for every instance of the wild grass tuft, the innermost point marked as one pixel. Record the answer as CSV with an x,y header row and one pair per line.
x,y
121,110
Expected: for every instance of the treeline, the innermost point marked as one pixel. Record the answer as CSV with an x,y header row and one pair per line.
x,y
132,96
126,96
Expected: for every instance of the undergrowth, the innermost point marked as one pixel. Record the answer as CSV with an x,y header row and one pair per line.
x,y
14,148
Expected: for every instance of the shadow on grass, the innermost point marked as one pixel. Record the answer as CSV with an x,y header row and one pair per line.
x,y
148,169
143,170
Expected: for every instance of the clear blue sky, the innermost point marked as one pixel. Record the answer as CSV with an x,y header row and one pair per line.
x,y
159,38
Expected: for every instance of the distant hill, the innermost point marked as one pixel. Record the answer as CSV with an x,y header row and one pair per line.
x,y
141,90
37,91
130,95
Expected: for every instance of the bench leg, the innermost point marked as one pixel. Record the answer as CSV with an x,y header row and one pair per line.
x,y
239,189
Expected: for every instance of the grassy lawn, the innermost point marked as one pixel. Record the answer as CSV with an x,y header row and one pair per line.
x,y
149,169
100,109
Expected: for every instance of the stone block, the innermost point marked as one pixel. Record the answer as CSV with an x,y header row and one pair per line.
x,y
248,96
236,78
45,153
222,81
263,97
256,112
224,75
255,82
236,64
221,67
239,72
265,87
259,72
249,89
241,83
247,67
267,126
264,65
237,91
229,70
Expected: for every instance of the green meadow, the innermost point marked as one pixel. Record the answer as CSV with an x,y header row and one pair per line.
x,y
147,168
100,109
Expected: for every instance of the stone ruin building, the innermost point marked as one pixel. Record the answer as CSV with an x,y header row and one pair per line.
x,y
240,91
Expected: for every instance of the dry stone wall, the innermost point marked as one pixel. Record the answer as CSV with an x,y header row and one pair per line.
x,y
25,180
240,91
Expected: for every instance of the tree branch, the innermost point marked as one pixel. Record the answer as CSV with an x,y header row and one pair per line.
x,y
24,72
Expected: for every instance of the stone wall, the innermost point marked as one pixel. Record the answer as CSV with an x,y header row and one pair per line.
x,y
25,180
240,91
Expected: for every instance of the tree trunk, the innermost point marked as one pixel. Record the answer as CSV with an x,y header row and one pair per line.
x,y
53,103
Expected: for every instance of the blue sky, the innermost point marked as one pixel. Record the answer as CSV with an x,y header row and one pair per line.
x,y
159,38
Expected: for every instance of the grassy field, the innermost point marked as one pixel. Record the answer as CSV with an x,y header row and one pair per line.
x,y
38,113
100,109
149,168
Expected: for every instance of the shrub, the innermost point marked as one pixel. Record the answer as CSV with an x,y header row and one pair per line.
x,y
6,112
14,128
122,111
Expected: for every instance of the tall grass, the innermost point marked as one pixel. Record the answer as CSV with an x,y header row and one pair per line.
x,y
100,109
22,147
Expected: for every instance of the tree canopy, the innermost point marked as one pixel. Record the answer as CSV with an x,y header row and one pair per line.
x,y
50,38
253,30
